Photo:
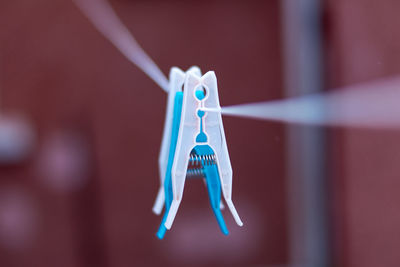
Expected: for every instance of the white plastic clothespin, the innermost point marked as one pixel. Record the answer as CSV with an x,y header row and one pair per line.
x,y
176,80
190,127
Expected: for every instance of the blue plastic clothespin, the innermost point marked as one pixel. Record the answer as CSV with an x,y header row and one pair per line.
x,y
194,136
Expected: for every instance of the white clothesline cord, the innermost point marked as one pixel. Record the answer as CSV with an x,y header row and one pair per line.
x,y
374,104
371,105
106,21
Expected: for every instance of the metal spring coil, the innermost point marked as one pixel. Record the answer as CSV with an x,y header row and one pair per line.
x,y
202,160
197,162
195,172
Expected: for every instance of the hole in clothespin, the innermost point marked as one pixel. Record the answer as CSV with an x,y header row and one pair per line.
x,y
200,113
200,93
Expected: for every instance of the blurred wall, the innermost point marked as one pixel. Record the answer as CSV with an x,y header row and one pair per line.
x,y
363,44
84,196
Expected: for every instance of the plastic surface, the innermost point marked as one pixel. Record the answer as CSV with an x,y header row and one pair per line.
x,y
212,179
176,80
191,125
167,183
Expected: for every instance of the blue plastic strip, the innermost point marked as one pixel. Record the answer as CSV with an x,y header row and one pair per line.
x,y
213,185
176,119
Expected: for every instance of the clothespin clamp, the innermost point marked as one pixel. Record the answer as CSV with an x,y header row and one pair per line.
x,y
193,136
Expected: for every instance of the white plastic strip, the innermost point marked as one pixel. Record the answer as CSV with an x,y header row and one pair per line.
x,y
103,17
373,105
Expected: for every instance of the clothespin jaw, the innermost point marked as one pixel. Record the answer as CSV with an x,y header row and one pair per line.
x,y
176,80
170,137
195,121
204,155
215,130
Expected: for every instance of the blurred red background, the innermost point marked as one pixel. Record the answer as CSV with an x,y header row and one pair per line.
x,y
84,195
84,97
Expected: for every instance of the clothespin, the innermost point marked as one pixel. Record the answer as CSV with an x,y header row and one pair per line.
x,y
193,136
